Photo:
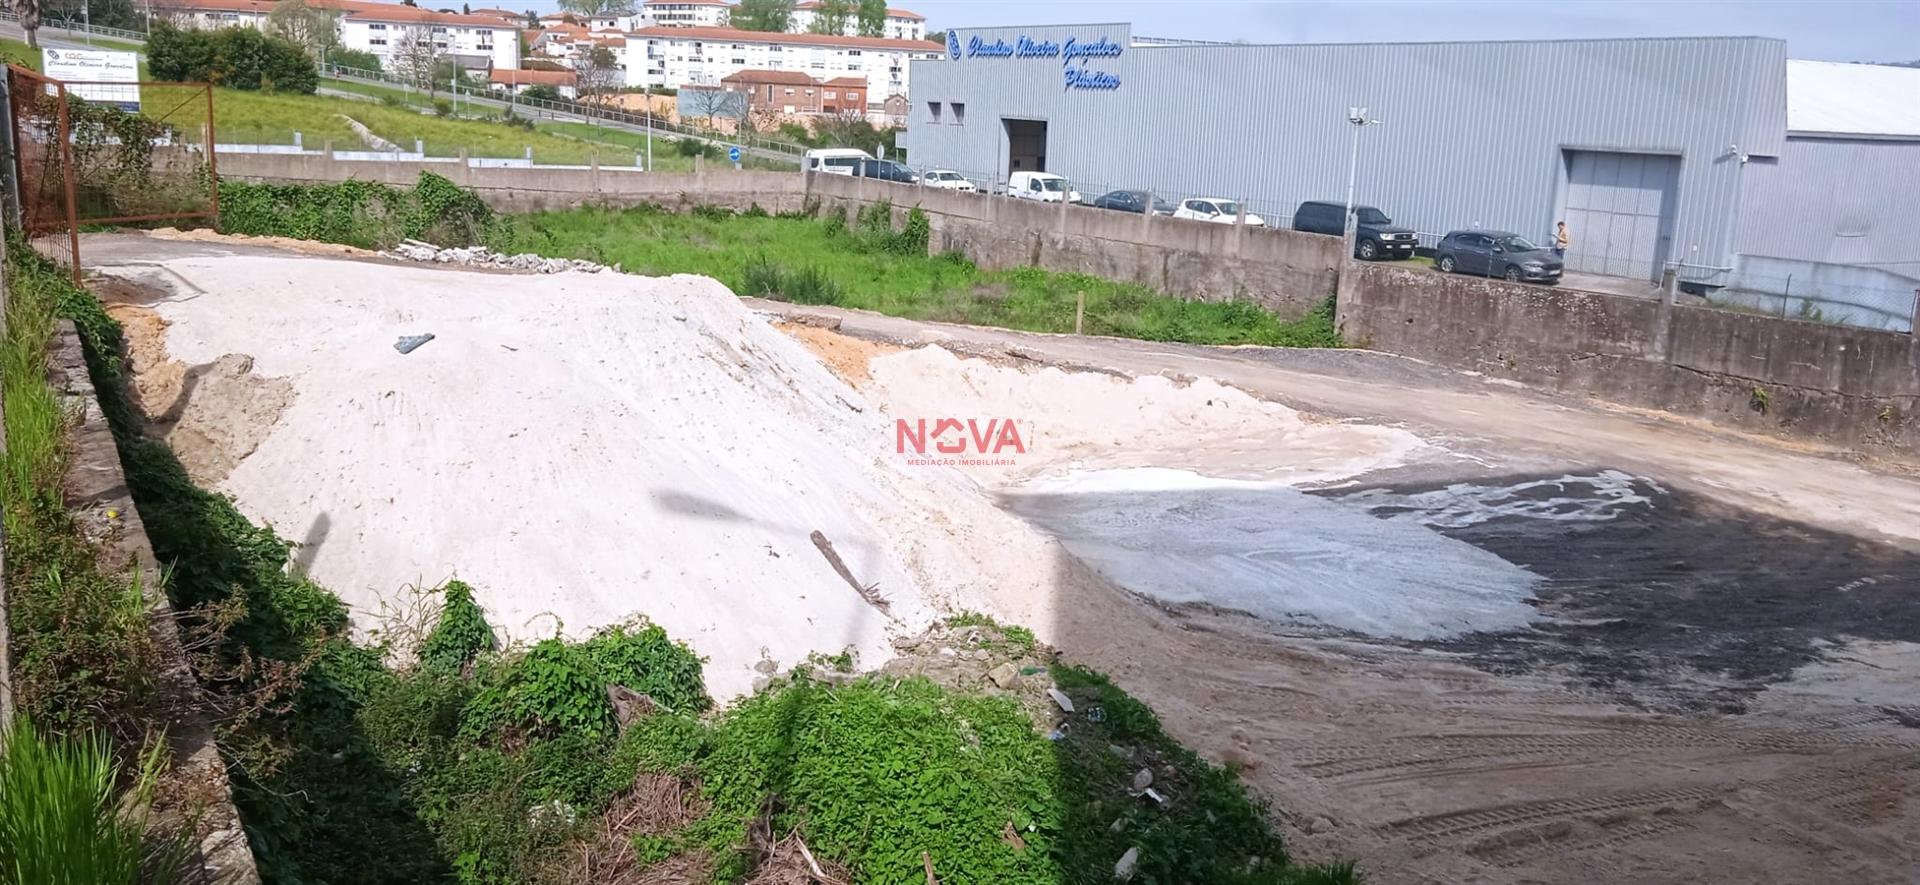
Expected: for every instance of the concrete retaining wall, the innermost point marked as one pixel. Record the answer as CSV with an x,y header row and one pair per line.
x,y
1852,387
539,188
1281,270
103,511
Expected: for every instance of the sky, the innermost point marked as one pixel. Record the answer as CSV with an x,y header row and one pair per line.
x,y
1827,30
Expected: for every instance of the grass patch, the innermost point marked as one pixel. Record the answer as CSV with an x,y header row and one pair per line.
x,y
69,813
83,659
856,265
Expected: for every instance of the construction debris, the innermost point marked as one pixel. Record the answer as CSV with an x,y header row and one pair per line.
x,y
409,343
481,256
1060,698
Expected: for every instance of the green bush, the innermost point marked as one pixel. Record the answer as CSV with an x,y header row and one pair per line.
x,y
356,59
236,57
460,635
356,213
542,92
556,688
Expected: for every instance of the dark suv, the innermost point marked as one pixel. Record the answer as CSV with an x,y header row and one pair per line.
x,y
1497,253
1374,235
885,170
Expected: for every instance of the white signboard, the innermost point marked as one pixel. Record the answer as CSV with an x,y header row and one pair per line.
x,y
93,75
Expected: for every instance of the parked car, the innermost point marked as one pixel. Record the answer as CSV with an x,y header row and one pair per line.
x,y
1131,201
1216,210
947,179
1043,186
885,170
837,161
1496,253
1374,236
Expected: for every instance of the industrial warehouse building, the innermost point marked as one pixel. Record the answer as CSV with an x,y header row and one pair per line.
x,y
1693,150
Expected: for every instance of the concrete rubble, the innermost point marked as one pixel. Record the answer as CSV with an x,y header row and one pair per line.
x,y
481,256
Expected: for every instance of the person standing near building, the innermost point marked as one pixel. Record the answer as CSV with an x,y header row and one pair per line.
x,y
1561,239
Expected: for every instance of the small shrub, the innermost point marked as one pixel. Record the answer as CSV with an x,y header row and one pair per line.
x,y
754,211
393,101
810,285
1760,400
835,221
760,277
461,634
442,107
713,213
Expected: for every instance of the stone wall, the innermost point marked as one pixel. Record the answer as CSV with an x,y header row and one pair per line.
x,y
103,511
1851,387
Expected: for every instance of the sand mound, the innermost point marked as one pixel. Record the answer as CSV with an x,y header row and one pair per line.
x,y
583,448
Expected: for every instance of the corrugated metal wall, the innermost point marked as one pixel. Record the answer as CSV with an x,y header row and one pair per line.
x,y
1473,133
1847,201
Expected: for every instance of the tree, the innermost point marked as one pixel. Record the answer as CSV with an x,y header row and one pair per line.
x,y
314,29
831,16
542,92
937,36
711,104
598,7
465,9
763,15
596,73
873,18
416,58
533,19
29,12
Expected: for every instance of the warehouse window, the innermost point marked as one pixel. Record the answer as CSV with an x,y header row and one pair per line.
x,y
933,110
959,113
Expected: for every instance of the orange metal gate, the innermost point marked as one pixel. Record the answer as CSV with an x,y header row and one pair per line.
x,y
96,153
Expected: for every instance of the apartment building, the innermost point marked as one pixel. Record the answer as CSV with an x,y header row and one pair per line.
x,y
681,14
479,41
901,24
662,56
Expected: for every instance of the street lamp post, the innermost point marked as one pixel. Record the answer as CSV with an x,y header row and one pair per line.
x,y
1358,117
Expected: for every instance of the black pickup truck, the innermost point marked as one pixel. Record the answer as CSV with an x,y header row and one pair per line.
x,y
1374,235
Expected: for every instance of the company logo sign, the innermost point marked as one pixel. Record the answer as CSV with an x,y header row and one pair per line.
x,y
957,442
1074,54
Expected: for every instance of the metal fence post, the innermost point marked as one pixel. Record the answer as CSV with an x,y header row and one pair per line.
x,y
1914,329
73,199
1146,216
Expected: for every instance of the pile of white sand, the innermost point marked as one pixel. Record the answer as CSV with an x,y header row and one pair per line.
x,y
585,448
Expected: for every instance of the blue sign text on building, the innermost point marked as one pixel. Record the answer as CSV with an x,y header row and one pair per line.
x,y
1069,52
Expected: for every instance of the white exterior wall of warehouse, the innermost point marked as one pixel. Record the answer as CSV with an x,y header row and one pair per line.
x,y
1484,135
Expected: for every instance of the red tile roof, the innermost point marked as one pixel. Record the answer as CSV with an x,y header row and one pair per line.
x,y
688,2
815,4
762,75
733,35
847,82
518,77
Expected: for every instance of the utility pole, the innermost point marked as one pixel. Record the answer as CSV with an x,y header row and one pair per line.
x,y
1358,117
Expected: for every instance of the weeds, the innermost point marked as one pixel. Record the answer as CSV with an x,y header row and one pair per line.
x,y
83,657
1760,400
870,266
356,213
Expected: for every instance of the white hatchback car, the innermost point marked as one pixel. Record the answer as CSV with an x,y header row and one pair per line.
x,y
1215,210
947,179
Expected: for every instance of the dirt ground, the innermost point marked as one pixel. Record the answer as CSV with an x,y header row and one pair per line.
x,y
1722,686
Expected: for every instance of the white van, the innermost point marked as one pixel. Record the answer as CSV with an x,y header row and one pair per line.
x,y
1043,186
837,161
